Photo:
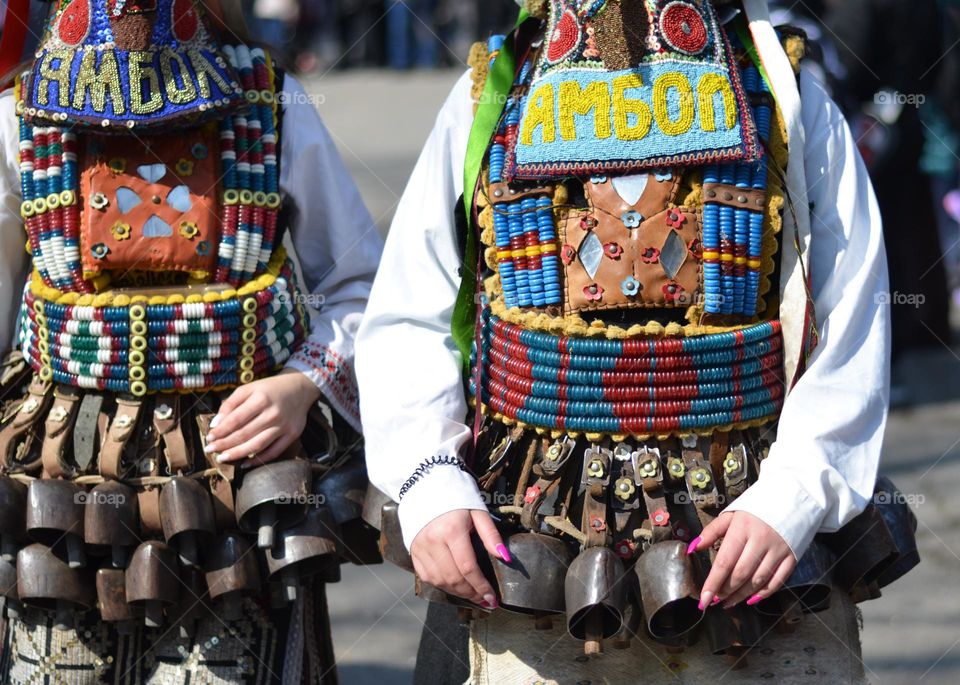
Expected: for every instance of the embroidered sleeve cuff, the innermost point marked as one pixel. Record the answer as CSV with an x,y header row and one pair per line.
x,y
780,502
439,485
333,375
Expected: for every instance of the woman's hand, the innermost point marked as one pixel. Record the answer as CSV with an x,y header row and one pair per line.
x,y
443,554
261,419
753,561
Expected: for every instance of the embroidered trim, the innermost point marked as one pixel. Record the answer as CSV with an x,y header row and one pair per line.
x,y
338,380
427,465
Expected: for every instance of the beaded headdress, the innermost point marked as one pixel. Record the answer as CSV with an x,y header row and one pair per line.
x,y
629,85
129,64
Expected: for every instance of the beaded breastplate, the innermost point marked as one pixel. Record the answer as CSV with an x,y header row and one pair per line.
x,y
157,257
631,284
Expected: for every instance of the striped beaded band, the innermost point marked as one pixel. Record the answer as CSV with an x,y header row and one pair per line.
x,y
175,343
632,386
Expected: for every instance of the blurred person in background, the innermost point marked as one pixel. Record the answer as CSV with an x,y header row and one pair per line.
x,y
274,22
411,34
882,90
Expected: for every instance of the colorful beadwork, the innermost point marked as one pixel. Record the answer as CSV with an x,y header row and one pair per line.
x,y
733,236
144,345
632,386
524,229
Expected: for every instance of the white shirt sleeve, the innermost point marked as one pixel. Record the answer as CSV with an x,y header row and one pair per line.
x,y
411,391
337,246
821,470
14,259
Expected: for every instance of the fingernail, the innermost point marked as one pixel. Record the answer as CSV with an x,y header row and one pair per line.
x,y
489,601
729,605
705,599
504,553
222,458
692,547
208,448
753,600
214,421
715,602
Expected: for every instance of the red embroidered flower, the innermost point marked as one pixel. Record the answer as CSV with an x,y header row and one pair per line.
x,y
588,223
673,292
593,292
598,523
624,549
650,255
533,492
612,250
696,248
660,517
675,218
568,254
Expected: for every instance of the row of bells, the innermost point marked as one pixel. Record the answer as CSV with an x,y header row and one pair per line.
x,y
284,534
604,598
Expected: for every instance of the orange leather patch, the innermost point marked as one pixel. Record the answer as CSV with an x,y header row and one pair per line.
x,y
629,249
150,203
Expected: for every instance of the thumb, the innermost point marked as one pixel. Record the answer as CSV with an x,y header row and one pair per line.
x,y
489,535
715,530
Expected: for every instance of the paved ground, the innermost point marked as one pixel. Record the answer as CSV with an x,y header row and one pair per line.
x,y
911,635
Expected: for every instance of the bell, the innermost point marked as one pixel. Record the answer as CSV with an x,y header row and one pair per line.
x,y
47,581
903,526
864,549
307,549
112,599
272,497
733,631
152,580
13,508
391,538
809,585
533,581
55,513
594,596
668,588
186,514
232,569
8,587
373,501
192,606
344,490
111,521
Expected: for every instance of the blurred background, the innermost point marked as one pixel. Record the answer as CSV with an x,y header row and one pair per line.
x,y
378,72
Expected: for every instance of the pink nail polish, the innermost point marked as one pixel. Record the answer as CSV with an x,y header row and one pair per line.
x,y
701,606
753,600
489,602
692,547
504,553
715,602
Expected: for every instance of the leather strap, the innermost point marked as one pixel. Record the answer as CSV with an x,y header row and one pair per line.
x,y
19,430
58,430
596,477
548,471
87,429
169,426
121,428
650,475
221,484
14,373
149,501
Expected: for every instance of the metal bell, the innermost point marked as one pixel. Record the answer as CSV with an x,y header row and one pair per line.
x,y
595,596
55,513
111,521
373,501
668,588
152,580
273,496
733,631
391,537
8,587
305,550
13,509
192,606
231,570
903,526
186,514
809,586
344,490
864,548
533,581
47,581
112,599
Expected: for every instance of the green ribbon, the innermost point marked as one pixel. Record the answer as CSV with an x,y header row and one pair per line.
x,y
492,103
740,26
